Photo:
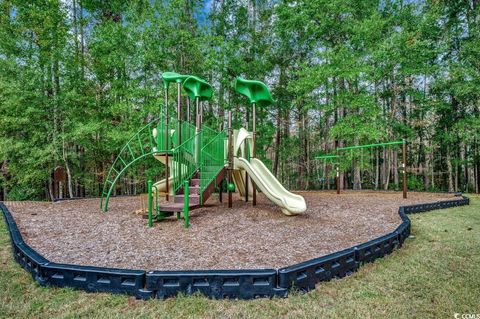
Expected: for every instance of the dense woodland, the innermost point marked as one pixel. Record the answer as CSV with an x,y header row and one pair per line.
x,y
78,77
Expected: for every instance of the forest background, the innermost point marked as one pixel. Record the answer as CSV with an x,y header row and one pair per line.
x,y
79,77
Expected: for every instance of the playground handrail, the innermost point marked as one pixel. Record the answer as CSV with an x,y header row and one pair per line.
x,y
212,160
184,163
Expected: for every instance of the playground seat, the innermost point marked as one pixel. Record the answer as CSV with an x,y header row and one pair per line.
x,y
196,87
256,91
169,77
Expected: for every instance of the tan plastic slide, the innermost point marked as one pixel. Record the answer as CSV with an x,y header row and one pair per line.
x,y
161,186
239,180
290,204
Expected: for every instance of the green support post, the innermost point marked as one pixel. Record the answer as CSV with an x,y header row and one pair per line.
x,y
404,168
186,218
156,202
150,217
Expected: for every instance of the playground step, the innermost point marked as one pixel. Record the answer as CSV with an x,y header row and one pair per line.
x,y
195,182
193,199
211,186
191,190
175,207
194,190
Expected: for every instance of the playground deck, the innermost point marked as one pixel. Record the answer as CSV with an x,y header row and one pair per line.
x,y
219,237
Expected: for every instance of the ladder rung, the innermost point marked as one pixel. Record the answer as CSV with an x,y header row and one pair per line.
x,y
141,146
121,159
130,149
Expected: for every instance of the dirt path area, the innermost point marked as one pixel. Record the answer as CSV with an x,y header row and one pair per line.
x,y
219,238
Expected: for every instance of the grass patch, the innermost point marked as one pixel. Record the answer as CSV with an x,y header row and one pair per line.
x,y
435,274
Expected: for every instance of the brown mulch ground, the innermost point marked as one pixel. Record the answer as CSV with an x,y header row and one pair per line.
x,y
219,238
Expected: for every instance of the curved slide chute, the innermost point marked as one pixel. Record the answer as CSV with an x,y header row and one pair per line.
x,y
239,181
290,204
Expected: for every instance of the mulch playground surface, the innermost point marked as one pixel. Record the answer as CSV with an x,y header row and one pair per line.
x,y
242,237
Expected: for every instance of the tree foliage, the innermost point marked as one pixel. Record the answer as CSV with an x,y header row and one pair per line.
x,y
78,77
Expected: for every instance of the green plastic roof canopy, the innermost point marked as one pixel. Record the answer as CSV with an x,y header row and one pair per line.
x,y
256,91
196,87
172,77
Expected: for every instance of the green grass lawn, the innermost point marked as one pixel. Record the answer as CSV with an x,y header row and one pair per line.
x,y
435,274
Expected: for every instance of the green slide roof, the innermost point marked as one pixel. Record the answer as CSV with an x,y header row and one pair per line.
x,y
172,77
196,87
256,91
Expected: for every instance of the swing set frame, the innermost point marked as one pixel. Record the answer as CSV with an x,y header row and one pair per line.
x,y
403,167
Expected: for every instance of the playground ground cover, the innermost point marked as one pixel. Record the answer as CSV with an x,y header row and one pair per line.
x,y
434,275
243,237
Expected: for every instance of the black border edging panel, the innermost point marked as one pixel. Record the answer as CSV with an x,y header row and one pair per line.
x,y
27,257
305,275
95,279
218,284
86,278
377,248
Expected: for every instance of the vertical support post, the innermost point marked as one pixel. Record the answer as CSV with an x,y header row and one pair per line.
x,y
248,156
167,173
197,113
188,109
179,112
157,212
337,180
150,208
220,191
186,208
201,112
404,166
254,151
230,156
198,138
246,187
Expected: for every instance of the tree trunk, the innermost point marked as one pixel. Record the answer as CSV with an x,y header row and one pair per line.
x,y
69,179
450,170
50,189
305,150
377,168
395,167
426,172
386,176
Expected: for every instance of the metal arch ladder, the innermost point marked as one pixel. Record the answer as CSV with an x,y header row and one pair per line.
x,y
202,181
138,147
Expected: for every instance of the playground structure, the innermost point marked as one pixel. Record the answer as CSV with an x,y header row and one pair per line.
x,y
197,158
333,159
222,258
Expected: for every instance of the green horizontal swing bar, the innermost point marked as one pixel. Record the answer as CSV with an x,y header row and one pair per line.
x,y
370,145
331,156
327,156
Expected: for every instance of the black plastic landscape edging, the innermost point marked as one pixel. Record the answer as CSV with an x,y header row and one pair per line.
x,y
217,284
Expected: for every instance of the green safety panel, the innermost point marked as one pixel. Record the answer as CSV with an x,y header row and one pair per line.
x,y
256,91
172,77
196,87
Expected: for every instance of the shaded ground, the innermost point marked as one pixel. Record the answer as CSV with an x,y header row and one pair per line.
x,y
219,237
